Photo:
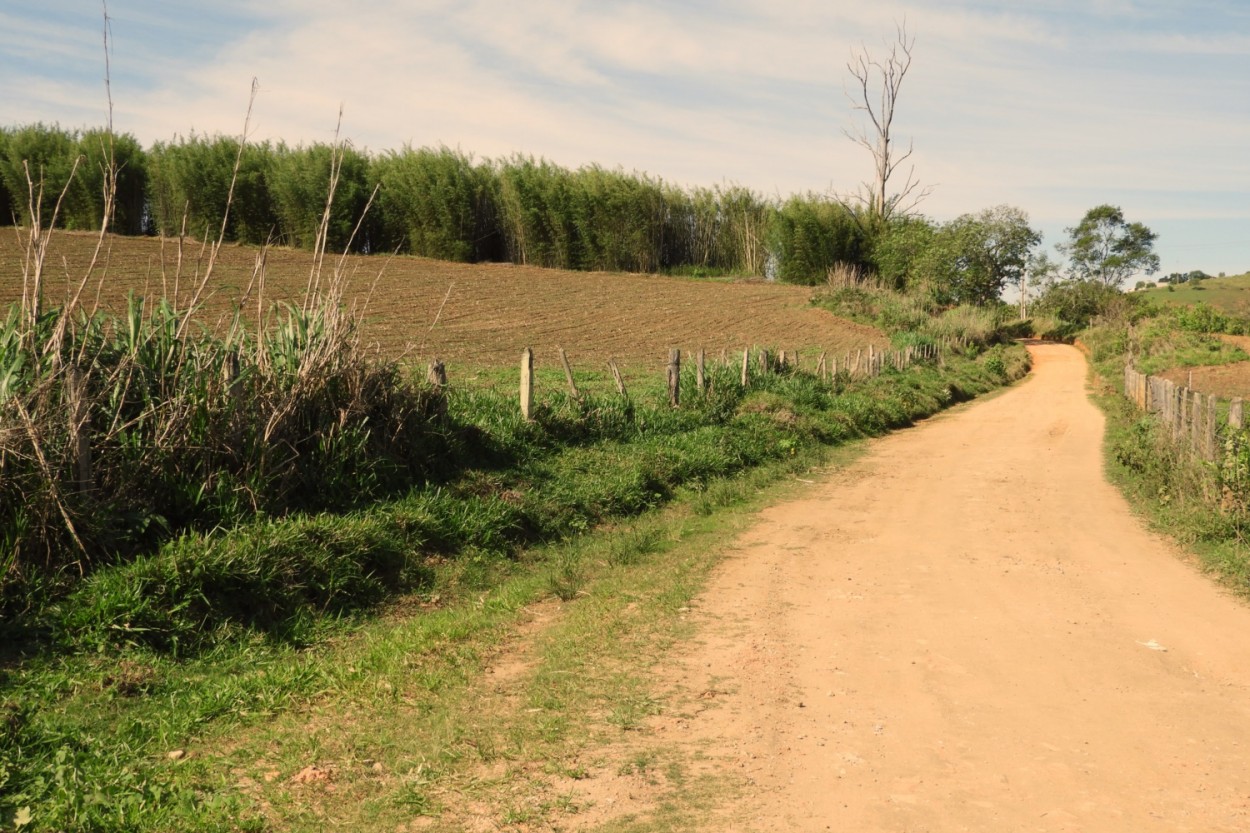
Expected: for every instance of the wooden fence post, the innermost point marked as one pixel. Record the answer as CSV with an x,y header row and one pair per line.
x,y
1236,412
78,410
1208,445
1178,410
764,361
674,377
568,374
1195,423
436,374
616,376
746,366
527,383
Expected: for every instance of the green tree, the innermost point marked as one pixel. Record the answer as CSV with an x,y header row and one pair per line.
x,y
1077,302
537,208
51,154
1106,248
47,154
976,255
619,218
99,150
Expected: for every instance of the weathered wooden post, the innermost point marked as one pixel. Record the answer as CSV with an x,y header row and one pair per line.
x,y
616,376
436,374
700,375
78,409
674,377
527,383
1208,439
746,366
821,370
1236,414
568,374
764,361
1180,407
1195,423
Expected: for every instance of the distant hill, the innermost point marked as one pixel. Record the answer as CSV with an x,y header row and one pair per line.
x,y
1231,294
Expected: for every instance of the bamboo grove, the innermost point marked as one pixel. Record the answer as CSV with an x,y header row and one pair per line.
x,y
433,202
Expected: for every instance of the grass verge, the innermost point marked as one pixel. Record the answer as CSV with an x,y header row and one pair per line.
x,y
187,690
1173,491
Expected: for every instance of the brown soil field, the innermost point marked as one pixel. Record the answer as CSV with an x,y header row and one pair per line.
x,y
1224,380
474,315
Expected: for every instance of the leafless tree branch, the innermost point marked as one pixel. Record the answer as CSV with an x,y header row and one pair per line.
x,y
877,84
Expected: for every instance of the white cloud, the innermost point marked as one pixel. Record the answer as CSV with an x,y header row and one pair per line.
x,y
1054,106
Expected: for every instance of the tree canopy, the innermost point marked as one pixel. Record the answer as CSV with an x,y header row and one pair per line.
x,y
1106,248
966,261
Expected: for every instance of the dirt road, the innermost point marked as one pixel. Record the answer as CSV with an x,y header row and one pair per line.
x,y
968,630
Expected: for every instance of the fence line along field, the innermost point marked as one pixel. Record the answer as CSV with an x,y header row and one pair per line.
x,y
471,315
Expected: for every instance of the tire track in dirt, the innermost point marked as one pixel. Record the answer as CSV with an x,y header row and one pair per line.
x,y
969,630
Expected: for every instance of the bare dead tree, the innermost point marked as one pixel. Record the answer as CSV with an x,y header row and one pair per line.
x,y
877,84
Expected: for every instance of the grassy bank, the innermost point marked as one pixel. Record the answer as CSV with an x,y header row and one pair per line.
x,y
198,643
1202,505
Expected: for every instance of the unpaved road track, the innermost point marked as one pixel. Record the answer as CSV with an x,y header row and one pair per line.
x,y
969,630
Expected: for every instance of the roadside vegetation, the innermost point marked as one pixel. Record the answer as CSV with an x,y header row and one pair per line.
x,y
1205,506
254,576
201,523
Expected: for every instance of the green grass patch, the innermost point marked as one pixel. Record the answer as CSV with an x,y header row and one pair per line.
x,y
1229,294
164,692
1178,495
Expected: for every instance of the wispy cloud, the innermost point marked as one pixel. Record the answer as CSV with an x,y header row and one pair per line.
x,y
1054,106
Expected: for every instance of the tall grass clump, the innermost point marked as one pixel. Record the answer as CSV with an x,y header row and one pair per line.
x,y
117,432
536,204
439,204
196,180
75,165
298,181
619,219
809,235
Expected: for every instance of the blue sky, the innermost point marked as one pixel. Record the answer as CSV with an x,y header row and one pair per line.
x,y
1053,106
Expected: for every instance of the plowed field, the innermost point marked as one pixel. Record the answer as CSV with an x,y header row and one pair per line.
x,y
489,312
